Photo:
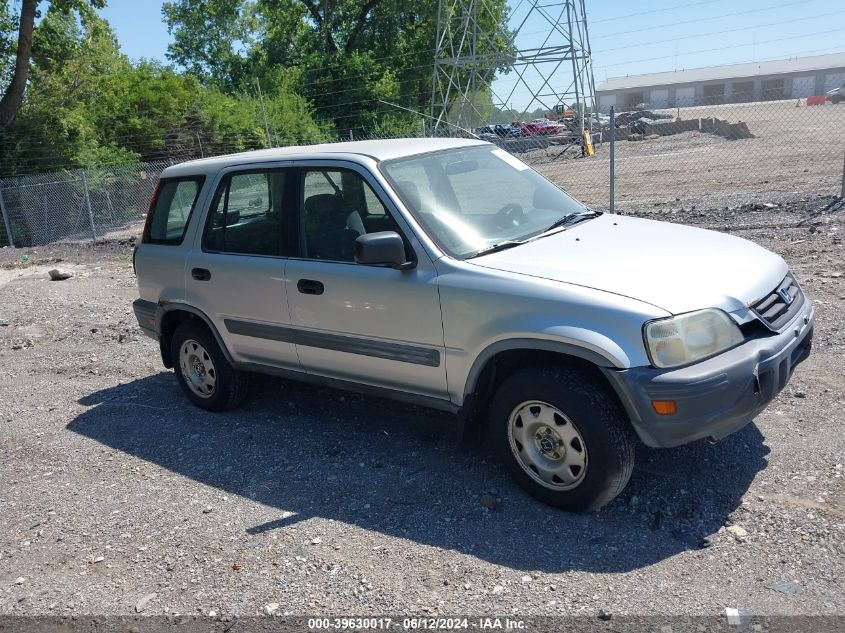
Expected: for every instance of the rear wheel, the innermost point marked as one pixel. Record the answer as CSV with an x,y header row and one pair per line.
x,y
203,372
562,437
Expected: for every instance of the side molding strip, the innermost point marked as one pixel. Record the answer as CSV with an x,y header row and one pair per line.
x,y
364,347
259,330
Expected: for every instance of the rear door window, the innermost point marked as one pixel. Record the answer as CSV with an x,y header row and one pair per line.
x,y
247,217
172,210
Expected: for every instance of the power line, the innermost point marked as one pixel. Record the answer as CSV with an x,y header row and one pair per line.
x,y
723,48
737,30
348,78
657,27
652,11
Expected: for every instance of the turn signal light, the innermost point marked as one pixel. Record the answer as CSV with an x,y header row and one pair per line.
x,y
665,407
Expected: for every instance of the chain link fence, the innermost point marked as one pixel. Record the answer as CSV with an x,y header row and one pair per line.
x,y
710,157
699,156
83,204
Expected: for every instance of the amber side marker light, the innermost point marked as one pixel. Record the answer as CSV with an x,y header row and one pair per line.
x,y
665,407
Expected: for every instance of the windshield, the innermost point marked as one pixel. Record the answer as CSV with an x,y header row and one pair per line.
x,y
471,199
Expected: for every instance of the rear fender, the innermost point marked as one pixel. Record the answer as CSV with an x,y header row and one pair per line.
x,y
164,317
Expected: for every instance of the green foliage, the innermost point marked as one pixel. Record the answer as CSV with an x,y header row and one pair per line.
x,y
236,123
88,105
206,38
74,57
350,90
8,29
323,68
479,111
352,55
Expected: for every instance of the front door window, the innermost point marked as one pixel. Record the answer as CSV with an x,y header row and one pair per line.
x,y
337,207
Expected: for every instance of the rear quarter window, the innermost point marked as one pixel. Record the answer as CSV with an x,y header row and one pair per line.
x,y
171,210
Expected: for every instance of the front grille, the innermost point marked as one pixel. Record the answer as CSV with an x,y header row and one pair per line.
x,y
774,310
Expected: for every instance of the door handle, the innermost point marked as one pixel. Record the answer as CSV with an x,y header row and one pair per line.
x,y
310,287
201,274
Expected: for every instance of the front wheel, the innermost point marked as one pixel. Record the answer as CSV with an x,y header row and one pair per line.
x,y
203,372
562,437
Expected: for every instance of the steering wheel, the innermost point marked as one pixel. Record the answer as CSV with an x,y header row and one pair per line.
x,y
509,215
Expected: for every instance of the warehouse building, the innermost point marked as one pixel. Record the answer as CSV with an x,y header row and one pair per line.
x,y
796,78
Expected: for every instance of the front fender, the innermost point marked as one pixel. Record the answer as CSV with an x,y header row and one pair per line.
x,y
568,341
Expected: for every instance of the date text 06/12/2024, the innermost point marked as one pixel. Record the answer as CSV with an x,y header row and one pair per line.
x,y
414,624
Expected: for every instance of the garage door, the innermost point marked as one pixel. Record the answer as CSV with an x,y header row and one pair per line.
x,y
685,96
605,101
803,86
833,80
659,98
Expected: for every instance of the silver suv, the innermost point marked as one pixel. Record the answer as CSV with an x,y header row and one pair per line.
x,y
449,274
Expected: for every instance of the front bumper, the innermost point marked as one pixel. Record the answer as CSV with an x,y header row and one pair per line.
x,y
717,396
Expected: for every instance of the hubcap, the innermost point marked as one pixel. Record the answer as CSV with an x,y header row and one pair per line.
x,y
197,368
547,445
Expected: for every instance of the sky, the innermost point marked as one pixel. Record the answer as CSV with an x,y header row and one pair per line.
x,y
626,37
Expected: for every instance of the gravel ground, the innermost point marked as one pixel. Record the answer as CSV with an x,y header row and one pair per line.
x,y
796,153
117,496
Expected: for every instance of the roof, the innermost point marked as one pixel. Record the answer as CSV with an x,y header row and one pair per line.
x,y
730,71
378,150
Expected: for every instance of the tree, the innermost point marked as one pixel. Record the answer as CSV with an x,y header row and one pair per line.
x,y
72,59
351,56
8,28
88,105
12,99
209,38
349,90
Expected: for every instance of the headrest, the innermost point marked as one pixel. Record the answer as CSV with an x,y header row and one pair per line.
x,y
327,210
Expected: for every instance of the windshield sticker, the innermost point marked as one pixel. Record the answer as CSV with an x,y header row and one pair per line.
x,y
510,159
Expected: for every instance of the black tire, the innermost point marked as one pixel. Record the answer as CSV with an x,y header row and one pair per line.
x,y
596,416
231,385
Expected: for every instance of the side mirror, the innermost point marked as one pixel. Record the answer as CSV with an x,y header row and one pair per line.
x,y
385,248
232,217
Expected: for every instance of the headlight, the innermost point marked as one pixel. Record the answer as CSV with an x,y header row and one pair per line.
x,y
690,337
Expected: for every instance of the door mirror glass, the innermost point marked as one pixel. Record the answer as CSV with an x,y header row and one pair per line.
x,y
384,248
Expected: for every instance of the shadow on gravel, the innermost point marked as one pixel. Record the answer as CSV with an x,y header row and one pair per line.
x,y
396,469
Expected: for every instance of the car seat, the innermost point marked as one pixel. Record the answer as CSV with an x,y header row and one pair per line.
x,y
331,227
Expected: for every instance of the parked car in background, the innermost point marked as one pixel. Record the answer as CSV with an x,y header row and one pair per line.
x,y
837,94
600,120
541,129
449,274
507,131
501,130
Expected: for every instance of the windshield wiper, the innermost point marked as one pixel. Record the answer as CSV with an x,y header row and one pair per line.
x,y
566,219
569,217
500,246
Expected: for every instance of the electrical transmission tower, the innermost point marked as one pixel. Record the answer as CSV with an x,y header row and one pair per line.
x,y
543,63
